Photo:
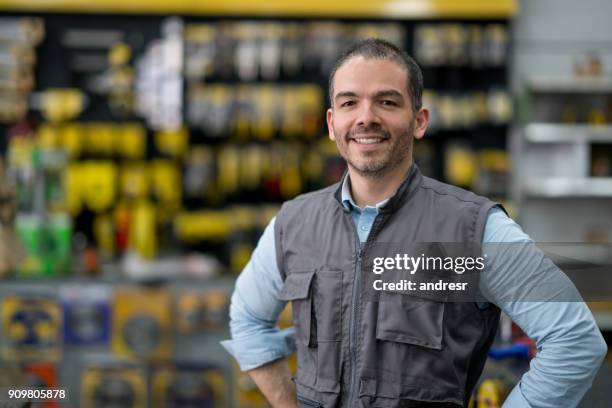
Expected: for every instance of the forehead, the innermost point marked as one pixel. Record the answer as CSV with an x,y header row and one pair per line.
x,y
368,75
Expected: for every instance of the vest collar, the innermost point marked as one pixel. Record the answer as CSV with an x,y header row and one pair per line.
x,y
404,191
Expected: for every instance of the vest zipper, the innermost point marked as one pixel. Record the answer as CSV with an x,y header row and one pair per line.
x,y
308,402
353,322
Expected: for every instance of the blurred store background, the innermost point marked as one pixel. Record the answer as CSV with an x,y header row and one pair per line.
x,y
146,144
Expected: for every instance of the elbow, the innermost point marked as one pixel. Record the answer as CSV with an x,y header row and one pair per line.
x,y
601,348
596,348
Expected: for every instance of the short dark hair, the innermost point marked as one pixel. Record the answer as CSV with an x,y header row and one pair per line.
x,y
375,48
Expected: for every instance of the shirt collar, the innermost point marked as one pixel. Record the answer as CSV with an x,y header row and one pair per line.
x,y
347,197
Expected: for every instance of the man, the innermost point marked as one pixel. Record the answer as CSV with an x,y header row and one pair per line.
x,y
355,352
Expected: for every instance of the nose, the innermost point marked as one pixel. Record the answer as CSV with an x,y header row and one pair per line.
x,y
367,116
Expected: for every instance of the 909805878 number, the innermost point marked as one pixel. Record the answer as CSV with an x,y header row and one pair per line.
x,y
36,394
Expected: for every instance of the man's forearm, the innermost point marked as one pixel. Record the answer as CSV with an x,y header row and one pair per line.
x,y
274,381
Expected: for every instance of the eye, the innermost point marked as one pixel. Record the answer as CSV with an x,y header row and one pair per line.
x,y
388,102
347,104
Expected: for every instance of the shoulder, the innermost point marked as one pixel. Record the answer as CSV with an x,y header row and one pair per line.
x,y
310,201
501,228
447,192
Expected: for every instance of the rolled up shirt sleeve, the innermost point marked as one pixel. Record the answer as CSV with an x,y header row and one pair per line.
x,y
540,299
255,308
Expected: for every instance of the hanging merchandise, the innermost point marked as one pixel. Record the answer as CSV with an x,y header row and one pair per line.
x,y
265,118
11,250
252,158
330,39
99,185
429,45
460,164
291,183
243,113
143,232
134,181
476,47
216,303
113,384
47,245
71,137
100,139
199,175
311,100
21,169
493,173
210,109
19,38
172,143
291,124
496,44
131,142
142,323
202,225
460,45
226,46
87,313
291,52
165,179
183,385
241,240
43,375
455,36
270,51
499,104
31,327
122,226
245,59
61,104
75,179
492,393
190,312
200,51
159,82
228,170
116,81
104,235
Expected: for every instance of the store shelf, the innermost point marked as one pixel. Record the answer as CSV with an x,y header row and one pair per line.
x,y
569,187
408,9
560,133
569,85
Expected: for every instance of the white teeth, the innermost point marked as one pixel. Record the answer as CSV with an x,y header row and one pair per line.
x,y
367,140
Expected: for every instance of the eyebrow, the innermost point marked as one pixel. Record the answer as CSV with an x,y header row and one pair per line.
x,y
344,94
389,92
379,94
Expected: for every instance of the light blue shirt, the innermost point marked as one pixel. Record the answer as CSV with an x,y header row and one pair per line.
x,y
570,346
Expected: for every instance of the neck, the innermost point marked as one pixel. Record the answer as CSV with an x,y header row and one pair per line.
x,y
369,190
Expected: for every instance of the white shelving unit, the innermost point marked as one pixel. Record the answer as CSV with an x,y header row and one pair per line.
x,y
558,199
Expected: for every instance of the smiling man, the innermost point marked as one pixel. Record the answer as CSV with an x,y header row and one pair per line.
x,y
355,352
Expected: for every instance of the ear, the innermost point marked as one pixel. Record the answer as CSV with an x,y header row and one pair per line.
x,y
421,123
330,126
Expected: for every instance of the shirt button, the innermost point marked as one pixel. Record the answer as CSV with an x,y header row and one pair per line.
x,y
364,228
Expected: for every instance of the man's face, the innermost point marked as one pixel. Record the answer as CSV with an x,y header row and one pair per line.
x,y
371,120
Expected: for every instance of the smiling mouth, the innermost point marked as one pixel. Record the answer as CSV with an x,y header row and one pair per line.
x,y
367,140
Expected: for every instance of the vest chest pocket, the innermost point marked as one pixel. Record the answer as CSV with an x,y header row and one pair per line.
x,y
316,297
297,289
410,320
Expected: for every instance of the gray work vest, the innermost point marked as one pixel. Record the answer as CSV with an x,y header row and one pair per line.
x,y
354,352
